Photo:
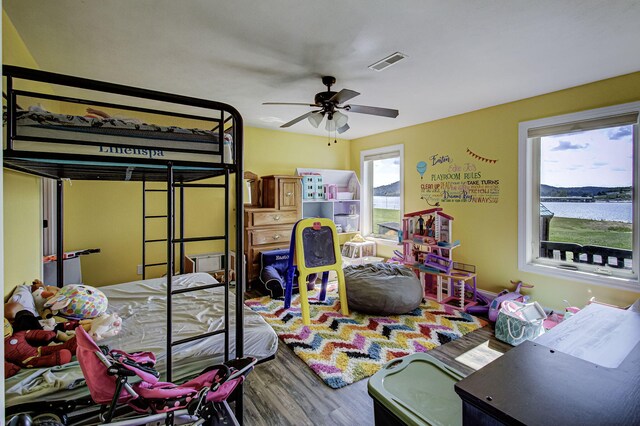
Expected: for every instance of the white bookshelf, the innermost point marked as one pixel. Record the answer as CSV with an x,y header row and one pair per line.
x,y
346,181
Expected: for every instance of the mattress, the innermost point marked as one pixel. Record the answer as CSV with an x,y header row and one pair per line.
x,y
132,138
142,304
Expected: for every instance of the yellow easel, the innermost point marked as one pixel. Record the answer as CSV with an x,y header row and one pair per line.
x,y
315,249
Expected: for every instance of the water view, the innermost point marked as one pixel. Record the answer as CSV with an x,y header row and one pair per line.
x,y
381,202
617,212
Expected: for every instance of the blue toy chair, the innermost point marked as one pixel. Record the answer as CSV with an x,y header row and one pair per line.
x,y
314,249
273,274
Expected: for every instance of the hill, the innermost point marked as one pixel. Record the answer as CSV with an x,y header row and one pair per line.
x,y
390,190
621,192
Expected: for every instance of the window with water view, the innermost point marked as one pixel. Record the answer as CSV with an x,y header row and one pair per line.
x,y
582,181
586,196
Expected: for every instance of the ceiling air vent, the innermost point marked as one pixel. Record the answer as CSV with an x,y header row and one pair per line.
x,y
388,61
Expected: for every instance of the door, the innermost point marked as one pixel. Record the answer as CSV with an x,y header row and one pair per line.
x,y
288,193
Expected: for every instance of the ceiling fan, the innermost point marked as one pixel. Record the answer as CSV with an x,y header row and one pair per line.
x,y
330,103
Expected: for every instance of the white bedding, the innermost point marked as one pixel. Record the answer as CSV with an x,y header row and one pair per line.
x,y
142,304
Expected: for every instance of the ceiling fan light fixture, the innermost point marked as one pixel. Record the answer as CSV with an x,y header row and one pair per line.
x,y
315,119
331,125
340,119
342,129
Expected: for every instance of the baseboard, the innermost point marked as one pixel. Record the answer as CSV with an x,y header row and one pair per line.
x,y
487,293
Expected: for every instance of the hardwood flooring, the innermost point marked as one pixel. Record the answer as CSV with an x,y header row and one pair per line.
x,y
284,391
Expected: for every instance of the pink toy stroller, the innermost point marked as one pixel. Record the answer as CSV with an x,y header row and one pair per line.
x,y
107,374
197,401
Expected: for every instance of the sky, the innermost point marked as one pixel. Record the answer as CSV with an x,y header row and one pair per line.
x,y
386,171
602,157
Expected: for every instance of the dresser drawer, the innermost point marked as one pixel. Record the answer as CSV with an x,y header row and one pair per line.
x,y
275,217
270,235
254,252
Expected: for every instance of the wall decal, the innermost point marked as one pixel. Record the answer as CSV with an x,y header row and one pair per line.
x,y
478,157
421,167
452,182
426,198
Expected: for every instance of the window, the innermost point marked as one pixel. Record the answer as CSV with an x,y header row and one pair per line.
x,y
578,199
382,191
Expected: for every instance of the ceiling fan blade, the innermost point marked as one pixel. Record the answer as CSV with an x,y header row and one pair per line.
x,y
342,129
295,120
289,103
363,109
343,96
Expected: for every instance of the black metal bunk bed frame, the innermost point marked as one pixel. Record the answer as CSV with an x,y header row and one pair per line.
x,y
44,164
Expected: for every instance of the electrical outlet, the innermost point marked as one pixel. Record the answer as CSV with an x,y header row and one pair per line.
x,y
139,269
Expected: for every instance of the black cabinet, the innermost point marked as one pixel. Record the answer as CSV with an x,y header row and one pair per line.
x,y
534,384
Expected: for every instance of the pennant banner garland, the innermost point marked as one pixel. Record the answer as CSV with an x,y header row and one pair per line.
x,y
478,157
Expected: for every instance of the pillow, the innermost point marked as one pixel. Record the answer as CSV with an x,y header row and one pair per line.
x,y
22,295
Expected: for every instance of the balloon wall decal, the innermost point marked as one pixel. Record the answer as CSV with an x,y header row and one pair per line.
x,y
421,167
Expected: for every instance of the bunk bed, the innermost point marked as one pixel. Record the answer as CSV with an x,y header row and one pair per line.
x,y
53,144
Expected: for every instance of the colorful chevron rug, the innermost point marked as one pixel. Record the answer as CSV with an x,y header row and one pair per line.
x,y
342,350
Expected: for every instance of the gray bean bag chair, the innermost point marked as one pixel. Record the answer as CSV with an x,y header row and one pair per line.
x,y
382,288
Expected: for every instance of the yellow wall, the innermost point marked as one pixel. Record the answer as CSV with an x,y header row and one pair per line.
x,y
488,232
108,215
14,51
273,152
21,231
21,201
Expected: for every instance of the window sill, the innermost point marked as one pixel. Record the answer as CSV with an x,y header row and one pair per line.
x,y
632,284
385,242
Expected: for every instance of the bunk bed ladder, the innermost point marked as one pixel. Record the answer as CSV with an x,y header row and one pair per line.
x,y
146,218
182,240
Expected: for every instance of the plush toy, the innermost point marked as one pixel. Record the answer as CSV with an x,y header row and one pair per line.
x,y
78,301
106,325
19,349
22,319
41,293
10,369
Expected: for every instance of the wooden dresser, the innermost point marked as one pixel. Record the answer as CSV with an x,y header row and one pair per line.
x,y
269,227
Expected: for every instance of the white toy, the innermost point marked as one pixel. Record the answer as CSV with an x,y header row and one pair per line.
x,y
103,326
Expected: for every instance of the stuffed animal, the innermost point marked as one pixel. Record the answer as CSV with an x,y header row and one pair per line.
x,y
20,351
10,369
78,301
41,293
22,319
106,325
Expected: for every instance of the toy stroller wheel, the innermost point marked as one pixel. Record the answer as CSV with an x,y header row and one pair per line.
x,y
20,420
50,419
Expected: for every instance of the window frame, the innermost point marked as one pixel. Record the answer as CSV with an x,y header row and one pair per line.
x,y
48,191
529,211
366,199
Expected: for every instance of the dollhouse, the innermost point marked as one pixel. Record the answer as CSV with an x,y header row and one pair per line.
x,y
427,231
428,248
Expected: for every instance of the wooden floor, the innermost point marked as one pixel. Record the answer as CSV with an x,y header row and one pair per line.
x,y
285,391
